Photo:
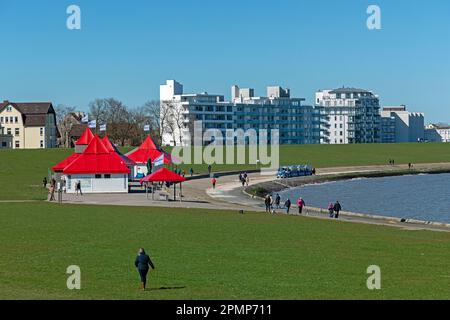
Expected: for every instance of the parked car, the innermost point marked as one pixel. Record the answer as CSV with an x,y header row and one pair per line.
x,y
294,171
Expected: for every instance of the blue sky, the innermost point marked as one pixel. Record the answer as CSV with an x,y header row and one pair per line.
x,y
126,49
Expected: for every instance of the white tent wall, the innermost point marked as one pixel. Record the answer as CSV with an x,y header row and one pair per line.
x,y
91,183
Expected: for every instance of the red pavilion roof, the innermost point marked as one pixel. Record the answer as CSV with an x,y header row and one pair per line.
x,y
146,151
97,159
85,138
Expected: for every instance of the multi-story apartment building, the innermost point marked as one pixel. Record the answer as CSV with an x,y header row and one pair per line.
x,y
437,133
399,125
349,115
31,125
297,123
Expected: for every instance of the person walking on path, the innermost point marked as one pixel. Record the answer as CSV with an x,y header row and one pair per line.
x,y
78,187
277,201
287,205
267,202
300,203
209,169
240,177
51,191
143,264
337,208
331,210
247,181
44,182
214,181
191,172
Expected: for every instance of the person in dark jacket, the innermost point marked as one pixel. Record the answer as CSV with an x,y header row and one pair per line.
x,y
337,208
287,205
143,264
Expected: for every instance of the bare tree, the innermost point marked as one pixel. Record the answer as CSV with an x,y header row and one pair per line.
x,y
98,110
157,117
64,122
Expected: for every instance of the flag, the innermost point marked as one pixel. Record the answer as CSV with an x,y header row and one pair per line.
x,y
102,127
85,118
147,127
92,124
159,161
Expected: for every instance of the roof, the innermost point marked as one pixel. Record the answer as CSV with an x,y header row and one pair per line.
x,y
146,151
349,90
63,164
112,148
85,138
34,113
97,159
77,130
163,175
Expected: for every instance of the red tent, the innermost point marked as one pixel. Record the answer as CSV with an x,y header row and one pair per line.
x,y
163,175
113,149
97,159
85,138
147,150
60,166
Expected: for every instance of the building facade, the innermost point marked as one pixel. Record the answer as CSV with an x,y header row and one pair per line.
x,y
5,139
348,115
297,123
31,125
398,125
437,133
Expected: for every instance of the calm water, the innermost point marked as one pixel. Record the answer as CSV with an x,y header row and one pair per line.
x,y
423,197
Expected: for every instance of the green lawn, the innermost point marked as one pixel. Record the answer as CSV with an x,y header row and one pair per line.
x,y
22,171
204,254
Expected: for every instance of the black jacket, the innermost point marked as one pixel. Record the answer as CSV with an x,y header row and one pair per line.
x,y
143,262
337,207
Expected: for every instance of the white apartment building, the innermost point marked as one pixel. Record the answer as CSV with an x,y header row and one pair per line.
x,y
297,123
348,115
437,133
399,125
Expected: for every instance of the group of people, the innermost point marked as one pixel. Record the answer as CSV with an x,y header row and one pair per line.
x,y
334,209
244,179
272,203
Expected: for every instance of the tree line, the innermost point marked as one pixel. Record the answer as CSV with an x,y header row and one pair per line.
x,y
124,124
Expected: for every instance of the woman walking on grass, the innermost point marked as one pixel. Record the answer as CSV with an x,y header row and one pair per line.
x,y
143,264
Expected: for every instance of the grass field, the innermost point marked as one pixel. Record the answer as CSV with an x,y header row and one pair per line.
x,y
212,255
23,170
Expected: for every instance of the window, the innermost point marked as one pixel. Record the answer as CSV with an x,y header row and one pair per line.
x,y
16,119
41,131
107,176
11,119
98,176
4,144
42,144
6,120
16,132
8,131
17,144
9,108
1,119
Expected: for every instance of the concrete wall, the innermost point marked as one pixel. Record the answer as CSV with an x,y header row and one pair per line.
x,y
118,183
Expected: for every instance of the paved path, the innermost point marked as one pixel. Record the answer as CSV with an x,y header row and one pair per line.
x,y
229,195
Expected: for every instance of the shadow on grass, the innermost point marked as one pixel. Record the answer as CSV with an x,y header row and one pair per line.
x,y
165,288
